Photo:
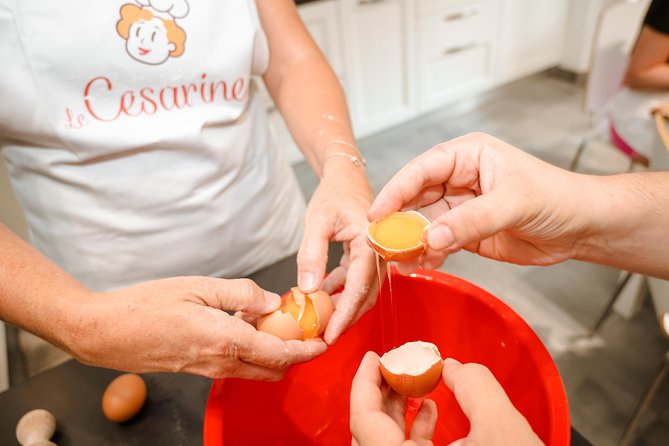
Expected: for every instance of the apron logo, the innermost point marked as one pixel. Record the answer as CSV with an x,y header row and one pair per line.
x,y
150,30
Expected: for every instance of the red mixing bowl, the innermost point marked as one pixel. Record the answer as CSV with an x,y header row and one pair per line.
x,y
310,406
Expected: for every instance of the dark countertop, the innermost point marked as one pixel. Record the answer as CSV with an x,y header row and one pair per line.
x,y
172,416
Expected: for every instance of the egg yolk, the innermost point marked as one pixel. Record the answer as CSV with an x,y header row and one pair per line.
x,y
402,230
290,306
307,317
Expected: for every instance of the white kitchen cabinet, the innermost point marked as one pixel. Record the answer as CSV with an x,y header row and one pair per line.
x,y
322,20
531,36
455,49
378,38
398,58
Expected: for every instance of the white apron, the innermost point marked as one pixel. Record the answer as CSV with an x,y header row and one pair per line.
x,y
136,142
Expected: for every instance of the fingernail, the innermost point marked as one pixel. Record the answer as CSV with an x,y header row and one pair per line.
x,y
306,281
450,362
273,300
440,237
332,334
428,264
332,339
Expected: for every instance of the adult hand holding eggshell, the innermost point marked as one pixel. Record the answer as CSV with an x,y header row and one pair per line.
x,y
179,325
377,412
488,197
412,369
492,417
338,212
300,317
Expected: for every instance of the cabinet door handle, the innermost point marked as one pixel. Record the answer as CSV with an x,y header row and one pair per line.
x,y
460,49
465,13
368,2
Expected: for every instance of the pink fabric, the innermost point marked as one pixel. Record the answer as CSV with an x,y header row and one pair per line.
x,y
621,144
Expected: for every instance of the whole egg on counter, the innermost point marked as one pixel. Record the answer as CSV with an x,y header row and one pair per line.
x,y
124,397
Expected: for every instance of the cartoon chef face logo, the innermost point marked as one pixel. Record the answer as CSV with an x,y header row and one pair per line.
x,y
150,30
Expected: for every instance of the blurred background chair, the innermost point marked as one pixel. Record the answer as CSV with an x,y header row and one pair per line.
x,y
612,44
628,436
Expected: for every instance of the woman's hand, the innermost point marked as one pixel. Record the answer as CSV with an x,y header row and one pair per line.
x,y
179,325
488,197
307,92
377,413
338,212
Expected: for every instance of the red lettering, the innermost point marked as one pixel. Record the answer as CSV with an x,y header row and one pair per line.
x,y
186,90
124,107
144,93
175,98
74,122
224,90
87,101
238,90
202,85
149,101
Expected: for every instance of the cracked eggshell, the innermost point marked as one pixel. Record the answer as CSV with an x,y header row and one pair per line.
x,y
412,369
322,304
301,316
280,324
398,237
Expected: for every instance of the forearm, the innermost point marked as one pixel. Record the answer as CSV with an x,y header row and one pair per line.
x,y
627,219
35,294
653,77
305,89
648,67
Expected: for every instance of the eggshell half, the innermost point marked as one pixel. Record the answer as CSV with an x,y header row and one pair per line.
x,y
300,316
280,324
322,304
412,369
124,397
388,250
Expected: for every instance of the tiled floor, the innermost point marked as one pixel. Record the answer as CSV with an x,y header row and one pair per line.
x,y
605,377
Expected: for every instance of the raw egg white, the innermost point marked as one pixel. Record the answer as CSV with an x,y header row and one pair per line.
x,y
412,369
301,316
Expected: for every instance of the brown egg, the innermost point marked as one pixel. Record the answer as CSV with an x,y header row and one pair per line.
x,y
124,397
398,237
301,316
412,369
